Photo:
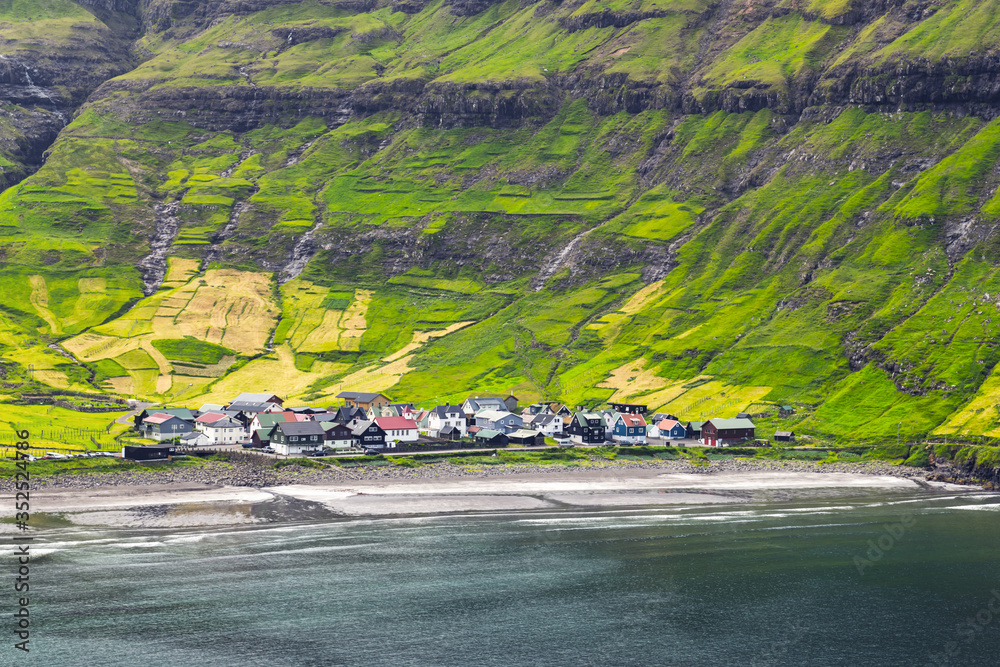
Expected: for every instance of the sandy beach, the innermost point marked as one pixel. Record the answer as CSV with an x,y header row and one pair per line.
x,y
306,495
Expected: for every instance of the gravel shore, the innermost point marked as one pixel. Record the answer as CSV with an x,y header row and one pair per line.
x,y
250,475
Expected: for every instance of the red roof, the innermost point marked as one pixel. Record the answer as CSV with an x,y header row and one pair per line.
x,y
157,418
295,417
666,424
634,420
397,423
210,418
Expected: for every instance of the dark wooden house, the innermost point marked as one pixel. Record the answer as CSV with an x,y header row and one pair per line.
x,y
784,436
526,438
629,408
694,430
487,437
291,438
369,435
148,452
586,428
338,436
725,432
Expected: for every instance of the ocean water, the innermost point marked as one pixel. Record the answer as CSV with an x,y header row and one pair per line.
x,y
877,580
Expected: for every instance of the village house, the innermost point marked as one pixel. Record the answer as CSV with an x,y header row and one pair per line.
x,y
487,437
251,409
245,412
549,425
472,406
224,431
181,413
306,411
726,432
365,401
368,434
784,436
447,416
194,439
338,436
670,429
628,408
626,428
348,413
694,430
560,410
526,438
290,438
499,420
268,419
261,438
208,418
398,429
162,426
247,397
586,428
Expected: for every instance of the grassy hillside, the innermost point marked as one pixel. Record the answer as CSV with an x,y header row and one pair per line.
x,y
705,207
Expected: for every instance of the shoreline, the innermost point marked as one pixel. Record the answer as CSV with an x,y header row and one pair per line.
x,y
184,498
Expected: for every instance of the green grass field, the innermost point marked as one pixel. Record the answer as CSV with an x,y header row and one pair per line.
x,y
682,234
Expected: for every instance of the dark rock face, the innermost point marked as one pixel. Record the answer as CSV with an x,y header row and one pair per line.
x,y
43,81
606,19
164,14
303,35
130,7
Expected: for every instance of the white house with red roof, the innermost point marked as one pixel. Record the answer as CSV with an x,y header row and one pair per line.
x,y
208,418
398,429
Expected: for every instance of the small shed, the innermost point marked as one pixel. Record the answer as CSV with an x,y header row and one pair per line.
x,y
487,437
786,411
526,438
784,436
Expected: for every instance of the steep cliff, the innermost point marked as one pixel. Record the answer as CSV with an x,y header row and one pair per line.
x,y
708,206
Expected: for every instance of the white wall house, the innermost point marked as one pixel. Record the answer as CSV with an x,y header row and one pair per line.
x,y
224,432
446,415
398,429
549,425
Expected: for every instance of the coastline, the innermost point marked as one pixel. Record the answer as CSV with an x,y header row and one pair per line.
x,y
239,494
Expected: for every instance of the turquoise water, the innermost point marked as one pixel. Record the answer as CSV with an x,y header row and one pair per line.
x,y
774,584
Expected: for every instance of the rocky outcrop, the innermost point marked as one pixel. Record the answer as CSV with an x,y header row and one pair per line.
x,y
130,7
974,465
606,19
301,35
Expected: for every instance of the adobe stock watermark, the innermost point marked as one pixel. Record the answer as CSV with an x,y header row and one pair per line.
x,y
892,533
967,631
776,653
